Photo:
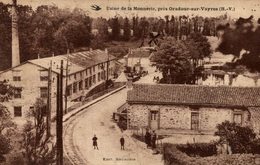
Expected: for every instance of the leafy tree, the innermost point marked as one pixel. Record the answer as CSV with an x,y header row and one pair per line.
x,y
115,28
243,37
201,44
5,36
127,29
239,138
37,147
172,58
7,126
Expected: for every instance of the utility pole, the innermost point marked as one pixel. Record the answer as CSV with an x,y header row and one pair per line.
x,y
59,117
107,69
66,83
48,118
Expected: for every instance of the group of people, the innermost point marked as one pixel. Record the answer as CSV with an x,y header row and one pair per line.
x,y
95,144
150,139
156,79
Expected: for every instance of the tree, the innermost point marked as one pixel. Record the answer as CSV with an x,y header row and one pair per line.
x,y
7,126
239,138
243,37
172,58
37,147
5,36
127,29
201,45
115,28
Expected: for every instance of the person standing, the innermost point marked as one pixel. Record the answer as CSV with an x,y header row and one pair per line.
x,y
148,138
95,145
122,142
154,137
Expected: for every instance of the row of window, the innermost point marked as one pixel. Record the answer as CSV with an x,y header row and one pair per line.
x,y
44,73
237,118
89,71
18,111
78,86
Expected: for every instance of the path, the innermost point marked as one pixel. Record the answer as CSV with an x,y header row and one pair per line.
x,y
97,119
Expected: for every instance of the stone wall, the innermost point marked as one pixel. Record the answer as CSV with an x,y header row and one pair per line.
x,y
176,117
210,117
255,119
138,116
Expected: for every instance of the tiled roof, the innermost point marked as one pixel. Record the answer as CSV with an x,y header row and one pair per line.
x,y
194,95
77,61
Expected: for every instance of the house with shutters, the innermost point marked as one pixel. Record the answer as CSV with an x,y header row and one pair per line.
x,y
86,70
192,108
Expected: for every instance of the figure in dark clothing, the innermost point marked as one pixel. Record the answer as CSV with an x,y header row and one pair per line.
x,y
122,142
154,137
148,138
95,145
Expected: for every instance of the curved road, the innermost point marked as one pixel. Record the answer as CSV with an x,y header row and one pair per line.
x,y
97,119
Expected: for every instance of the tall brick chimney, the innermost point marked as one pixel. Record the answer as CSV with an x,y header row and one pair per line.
x,y
15,37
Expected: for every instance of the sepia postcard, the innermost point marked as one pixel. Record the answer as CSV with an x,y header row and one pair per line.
x,y
129,82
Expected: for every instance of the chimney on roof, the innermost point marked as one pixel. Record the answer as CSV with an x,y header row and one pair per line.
x,y
15,37
106,51
52,54
90,49
38,55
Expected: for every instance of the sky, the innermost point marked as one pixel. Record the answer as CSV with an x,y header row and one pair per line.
x,y
234,8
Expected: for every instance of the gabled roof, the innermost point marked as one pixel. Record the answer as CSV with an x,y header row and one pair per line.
x,y
77,61
195,95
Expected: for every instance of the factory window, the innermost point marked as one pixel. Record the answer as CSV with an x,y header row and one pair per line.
x,y
94,68
75,76
69,90
90,81
43,92
17,78
86,72
16,75
90,71
99,77
18,92
86,83
75,87
94,79
44,75
18,111
80,74
80,85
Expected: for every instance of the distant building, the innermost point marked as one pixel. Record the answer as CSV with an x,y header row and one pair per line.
x,y
86,70
138,60
192,108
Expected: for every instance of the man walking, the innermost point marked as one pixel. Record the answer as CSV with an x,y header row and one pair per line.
x,y
95,145
122,142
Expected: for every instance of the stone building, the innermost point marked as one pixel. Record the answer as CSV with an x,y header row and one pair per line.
x,y
86,70
192,108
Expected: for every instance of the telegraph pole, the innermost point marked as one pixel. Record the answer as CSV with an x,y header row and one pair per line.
x,y
59,117
66,83
107,70
48,118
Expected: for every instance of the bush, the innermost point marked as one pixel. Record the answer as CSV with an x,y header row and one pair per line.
x,y
198,149
241,139
173,156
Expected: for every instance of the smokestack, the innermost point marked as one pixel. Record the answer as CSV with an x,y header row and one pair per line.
x,y
15,37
